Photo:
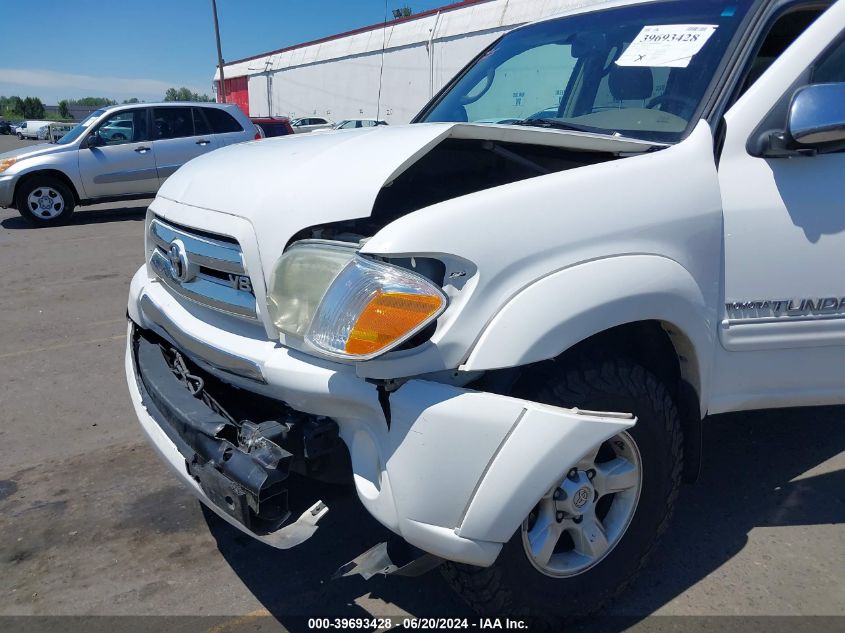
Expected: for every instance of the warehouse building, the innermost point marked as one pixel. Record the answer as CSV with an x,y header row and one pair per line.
x,y
388,70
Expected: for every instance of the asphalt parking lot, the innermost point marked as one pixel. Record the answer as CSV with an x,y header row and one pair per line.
x,y
92,523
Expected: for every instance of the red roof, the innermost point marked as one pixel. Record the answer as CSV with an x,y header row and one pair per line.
x,y
364,29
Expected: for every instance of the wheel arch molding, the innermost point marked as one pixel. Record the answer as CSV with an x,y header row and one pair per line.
x,y
49,173
557,312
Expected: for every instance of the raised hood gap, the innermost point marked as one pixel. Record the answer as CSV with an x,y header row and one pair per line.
x,y
455,167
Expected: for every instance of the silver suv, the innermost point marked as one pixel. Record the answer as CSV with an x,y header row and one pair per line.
x,y
117,153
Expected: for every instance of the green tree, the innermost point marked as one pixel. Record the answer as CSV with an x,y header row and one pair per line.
x,y
33,108
92,102
64,109
16,105
185,94
132,100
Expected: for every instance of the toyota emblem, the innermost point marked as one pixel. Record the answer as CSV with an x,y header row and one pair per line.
x,y
180,267
581,497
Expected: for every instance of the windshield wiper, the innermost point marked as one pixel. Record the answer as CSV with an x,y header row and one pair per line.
x,y
558,125
562,125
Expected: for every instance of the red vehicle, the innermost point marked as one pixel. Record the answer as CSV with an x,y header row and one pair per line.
x,y
273,126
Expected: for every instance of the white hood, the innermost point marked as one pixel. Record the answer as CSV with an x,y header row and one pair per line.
x,y
30,151
319,178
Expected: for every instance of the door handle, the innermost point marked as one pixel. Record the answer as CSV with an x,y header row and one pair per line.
x,y
141,150
203,142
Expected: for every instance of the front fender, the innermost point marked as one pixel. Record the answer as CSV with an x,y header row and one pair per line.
x,y
69,170
554,313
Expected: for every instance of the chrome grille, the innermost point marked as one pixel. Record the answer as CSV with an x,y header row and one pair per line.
x,y
205,269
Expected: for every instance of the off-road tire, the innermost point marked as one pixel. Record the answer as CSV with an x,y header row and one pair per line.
x,y
512,586
35,182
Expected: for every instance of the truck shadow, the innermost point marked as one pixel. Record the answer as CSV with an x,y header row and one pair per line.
x,y
84,216
752,477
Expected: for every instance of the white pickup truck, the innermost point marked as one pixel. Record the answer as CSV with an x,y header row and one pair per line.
x,y
507,335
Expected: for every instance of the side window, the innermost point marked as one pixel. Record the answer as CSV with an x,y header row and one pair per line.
x,y
221,121
831,67
174,122
783,32
201,126
126,126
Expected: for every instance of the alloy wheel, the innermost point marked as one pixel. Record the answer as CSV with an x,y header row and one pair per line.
x,y
581,519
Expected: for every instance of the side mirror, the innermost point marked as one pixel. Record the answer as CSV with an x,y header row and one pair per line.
x,y
817,117
93,140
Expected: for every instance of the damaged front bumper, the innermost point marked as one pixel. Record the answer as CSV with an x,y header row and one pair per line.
x,y
452,471
242,467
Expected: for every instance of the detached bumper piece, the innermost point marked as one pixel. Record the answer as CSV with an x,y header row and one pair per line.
x,y
243,466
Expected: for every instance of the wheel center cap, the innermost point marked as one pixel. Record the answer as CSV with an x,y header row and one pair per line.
x,y
45,202
582,496
578,494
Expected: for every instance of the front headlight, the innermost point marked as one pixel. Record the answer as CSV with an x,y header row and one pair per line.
x,y
371,308
347,306
299,281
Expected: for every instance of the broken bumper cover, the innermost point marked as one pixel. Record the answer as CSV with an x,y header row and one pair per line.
x,y
239,471
454,473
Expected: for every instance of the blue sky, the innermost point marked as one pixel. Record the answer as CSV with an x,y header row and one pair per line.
x,y
139,48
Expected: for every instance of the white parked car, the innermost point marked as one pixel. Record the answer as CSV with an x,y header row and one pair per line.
x,y
512,333
117,153
309,124
352,124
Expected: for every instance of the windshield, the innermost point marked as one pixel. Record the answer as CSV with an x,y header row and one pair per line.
x,y
639,70
80,129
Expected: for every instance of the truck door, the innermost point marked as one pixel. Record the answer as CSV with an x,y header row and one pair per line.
x,y
118,159
784,222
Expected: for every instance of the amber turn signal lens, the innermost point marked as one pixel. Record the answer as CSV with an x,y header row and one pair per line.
x,y
387,317
372,307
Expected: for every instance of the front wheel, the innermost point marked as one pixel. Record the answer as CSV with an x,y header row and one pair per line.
x,y
594,530
44,201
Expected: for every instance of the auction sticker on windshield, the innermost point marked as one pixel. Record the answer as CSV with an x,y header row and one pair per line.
x,y
672,45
